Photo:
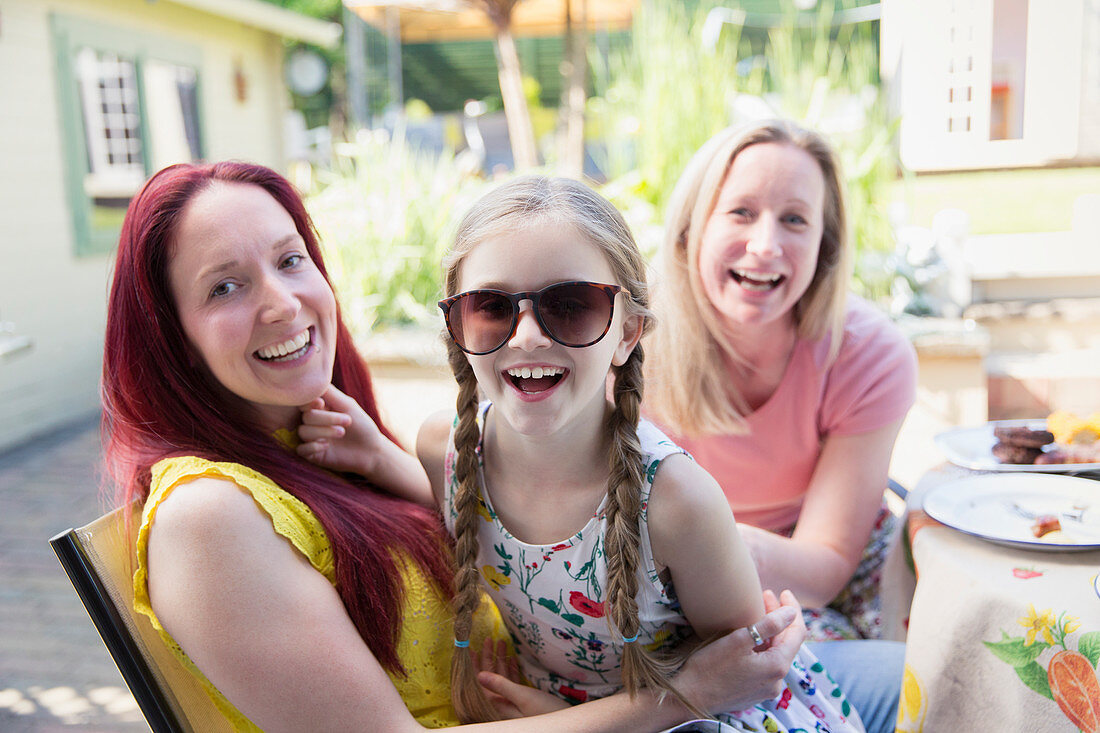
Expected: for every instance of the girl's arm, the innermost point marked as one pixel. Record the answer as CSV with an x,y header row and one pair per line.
x,y
271,633
338,434
837,518
695,536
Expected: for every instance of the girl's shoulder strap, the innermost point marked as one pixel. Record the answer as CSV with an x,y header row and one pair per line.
x,y
656,447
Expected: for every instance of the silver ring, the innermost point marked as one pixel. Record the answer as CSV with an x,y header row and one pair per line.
x,y
757,639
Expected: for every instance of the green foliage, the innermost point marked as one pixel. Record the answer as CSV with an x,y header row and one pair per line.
x,y
386,213
662,96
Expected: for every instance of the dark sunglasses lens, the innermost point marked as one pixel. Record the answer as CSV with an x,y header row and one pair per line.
x,y
481,322
576,315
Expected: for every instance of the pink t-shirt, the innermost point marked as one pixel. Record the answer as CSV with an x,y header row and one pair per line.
x,y
872,383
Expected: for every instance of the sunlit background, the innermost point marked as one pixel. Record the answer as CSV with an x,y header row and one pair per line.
x,y
969,132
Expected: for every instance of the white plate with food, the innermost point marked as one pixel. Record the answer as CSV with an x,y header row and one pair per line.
x,y
973,448
1035,511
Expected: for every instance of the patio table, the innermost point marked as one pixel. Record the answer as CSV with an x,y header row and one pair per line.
x,y
999,638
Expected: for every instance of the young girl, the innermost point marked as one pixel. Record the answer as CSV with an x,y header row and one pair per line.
x,y
604,546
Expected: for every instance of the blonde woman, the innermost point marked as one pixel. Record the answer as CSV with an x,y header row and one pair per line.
x,y
786,388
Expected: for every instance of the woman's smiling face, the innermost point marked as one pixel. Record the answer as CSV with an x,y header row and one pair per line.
x,y
252,304
760,244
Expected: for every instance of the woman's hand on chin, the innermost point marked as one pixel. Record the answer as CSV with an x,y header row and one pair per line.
x,y
339,435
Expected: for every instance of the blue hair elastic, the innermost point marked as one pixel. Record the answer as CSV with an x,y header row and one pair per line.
x,y
462,644
630,640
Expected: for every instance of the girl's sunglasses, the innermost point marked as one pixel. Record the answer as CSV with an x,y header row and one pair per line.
x,y
575,314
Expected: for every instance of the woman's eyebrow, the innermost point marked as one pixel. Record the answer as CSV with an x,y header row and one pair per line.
x,y
230,264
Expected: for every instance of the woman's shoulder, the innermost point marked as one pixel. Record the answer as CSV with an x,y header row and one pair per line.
x,y
870,341
865,323
874,377
191,497
205,508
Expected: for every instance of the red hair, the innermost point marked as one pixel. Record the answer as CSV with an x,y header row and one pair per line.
x,y
157,403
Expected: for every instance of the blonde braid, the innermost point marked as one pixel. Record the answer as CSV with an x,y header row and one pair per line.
x,y
469,701
640,668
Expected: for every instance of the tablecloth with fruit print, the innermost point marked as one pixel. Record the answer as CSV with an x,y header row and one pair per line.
x,y
999,638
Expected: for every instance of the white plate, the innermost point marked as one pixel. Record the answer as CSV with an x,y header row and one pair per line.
x,y
973,448
983,506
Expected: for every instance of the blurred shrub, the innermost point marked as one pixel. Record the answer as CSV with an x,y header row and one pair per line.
x,y
386,213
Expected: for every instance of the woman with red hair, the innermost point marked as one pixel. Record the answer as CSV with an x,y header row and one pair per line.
x,y
301,599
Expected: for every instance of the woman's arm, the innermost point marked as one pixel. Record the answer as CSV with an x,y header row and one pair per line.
x,y
271,633
338,434
695,536
836,520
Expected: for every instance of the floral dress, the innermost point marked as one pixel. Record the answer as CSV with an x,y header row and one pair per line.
x,y
551,597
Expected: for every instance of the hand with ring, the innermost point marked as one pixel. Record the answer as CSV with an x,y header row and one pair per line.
x,y
757,639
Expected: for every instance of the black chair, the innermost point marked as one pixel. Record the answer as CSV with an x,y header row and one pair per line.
x,y
99,560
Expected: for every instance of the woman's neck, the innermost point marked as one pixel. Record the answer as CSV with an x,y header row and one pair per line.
x,y
271,419
762,357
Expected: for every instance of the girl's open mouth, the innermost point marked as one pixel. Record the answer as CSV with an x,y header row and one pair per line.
x,y
531,380
759,282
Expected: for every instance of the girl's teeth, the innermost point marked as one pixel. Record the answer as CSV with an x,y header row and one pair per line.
x,y
535,372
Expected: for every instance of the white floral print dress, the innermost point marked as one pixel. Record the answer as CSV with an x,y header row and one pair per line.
x,y
551,597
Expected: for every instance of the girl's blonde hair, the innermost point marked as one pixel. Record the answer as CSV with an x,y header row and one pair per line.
x,y
690,388
526,202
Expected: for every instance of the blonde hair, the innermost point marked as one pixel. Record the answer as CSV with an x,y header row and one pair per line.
x,y
690,388
521,203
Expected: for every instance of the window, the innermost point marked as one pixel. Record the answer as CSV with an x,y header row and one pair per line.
x,y
129,107
960,67
1009,61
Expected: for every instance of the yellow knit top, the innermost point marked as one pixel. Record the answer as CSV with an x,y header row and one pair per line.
x,y
426,640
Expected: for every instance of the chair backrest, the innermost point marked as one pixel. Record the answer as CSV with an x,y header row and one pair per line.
x,y
99,559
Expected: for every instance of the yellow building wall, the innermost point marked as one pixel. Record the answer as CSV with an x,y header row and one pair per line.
x,y
47,292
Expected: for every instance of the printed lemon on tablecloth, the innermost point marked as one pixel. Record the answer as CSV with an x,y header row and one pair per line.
x,y
913,705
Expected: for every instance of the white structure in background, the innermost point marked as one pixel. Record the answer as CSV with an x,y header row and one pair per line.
x,y
993,83
97,95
